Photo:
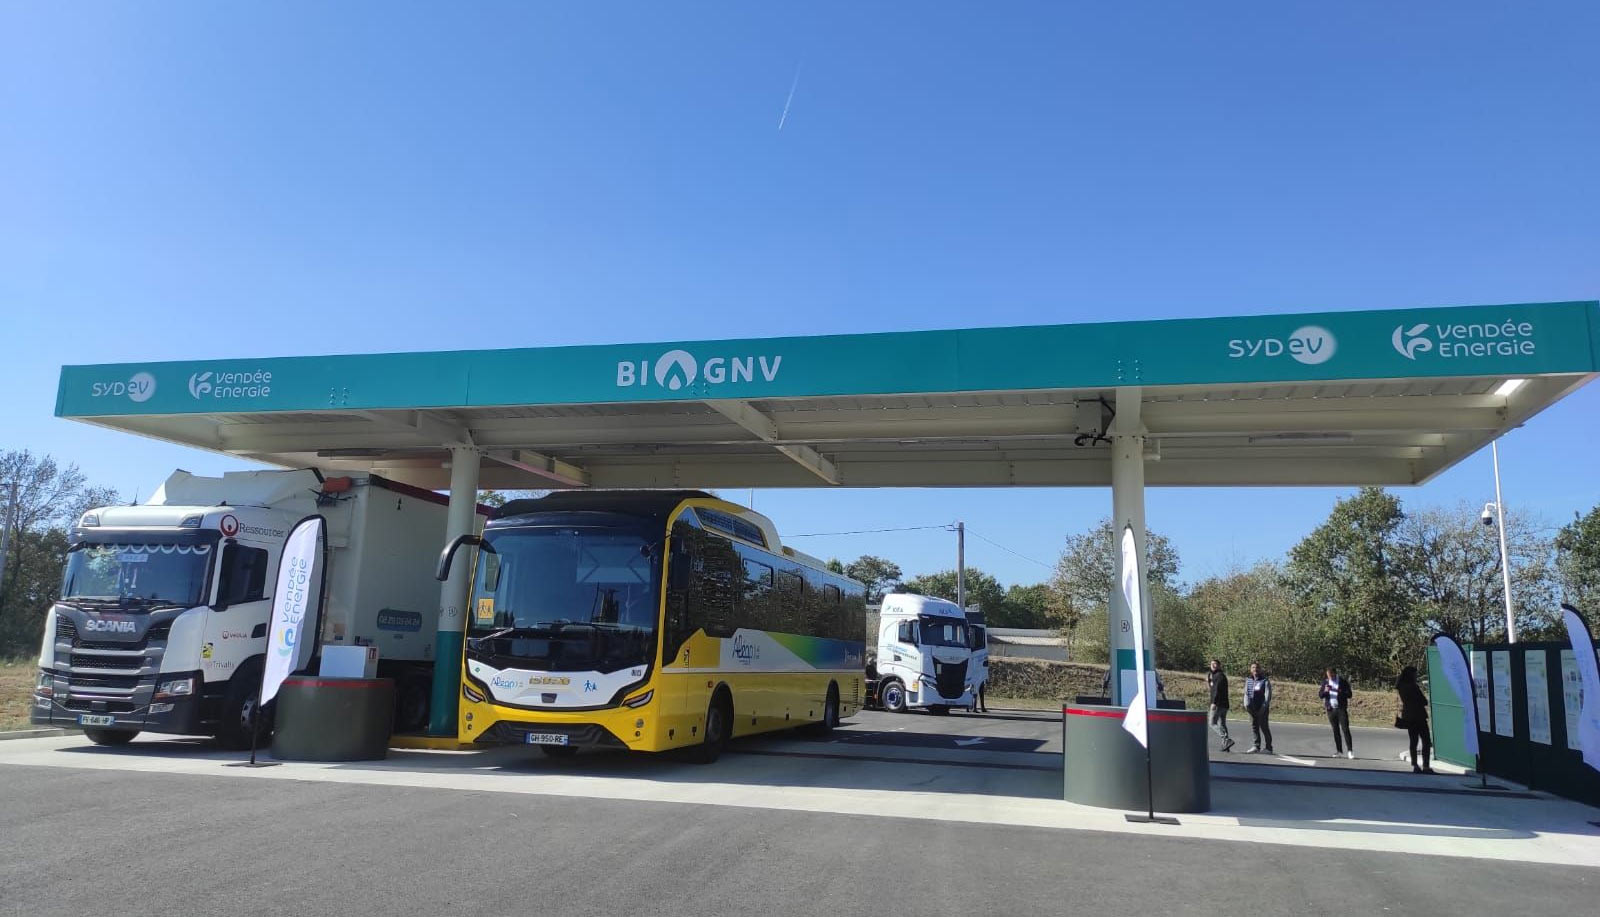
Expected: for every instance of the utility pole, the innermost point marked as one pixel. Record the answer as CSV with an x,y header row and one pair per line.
x,y
5,532
1505,557
961,566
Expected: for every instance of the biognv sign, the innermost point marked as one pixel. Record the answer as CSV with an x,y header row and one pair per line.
x,y
677,369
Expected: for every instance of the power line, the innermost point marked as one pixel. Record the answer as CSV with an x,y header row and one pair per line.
x,y
1009,551
869,530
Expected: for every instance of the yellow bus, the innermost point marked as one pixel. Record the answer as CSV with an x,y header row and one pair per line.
x,y
648,621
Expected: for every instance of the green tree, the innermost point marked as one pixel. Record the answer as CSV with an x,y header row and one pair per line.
x,y
877,574
1252,616
50,497
1578,560
1349,570
1083,581
1449,562
1025,606
983,590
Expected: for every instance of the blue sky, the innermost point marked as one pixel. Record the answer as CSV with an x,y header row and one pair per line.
x,y
190,180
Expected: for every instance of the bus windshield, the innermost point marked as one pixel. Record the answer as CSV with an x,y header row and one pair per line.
x,y
942,632
137,574
565,599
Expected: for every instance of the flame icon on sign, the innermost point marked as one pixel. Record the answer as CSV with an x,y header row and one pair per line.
x,y
676,369
200,383
1409,341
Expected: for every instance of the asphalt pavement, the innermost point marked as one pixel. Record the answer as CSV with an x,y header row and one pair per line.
x,y
889,815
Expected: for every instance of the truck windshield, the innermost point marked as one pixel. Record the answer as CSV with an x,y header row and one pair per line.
x,y
942,632
564,599
137,574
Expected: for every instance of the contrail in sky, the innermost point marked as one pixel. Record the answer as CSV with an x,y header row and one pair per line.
x,y
786,102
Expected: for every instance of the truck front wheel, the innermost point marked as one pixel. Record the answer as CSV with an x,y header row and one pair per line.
x,y
239,713
893,695
111,736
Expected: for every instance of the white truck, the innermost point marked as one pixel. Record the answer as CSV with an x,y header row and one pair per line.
x,y
924,656
162,621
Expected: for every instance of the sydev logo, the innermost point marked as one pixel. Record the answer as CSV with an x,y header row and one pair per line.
x,y
676,370
1409,341
1308,344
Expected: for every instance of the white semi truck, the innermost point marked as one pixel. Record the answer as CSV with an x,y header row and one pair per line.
x,y
162,621
924,656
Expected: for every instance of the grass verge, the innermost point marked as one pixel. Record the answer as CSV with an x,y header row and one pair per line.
x,y
1041,684
16,692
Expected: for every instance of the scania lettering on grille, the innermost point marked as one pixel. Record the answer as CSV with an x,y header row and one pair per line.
x,y
110,627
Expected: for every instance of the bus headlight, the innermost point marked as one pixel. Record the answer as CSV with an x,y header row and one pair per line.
x,y
471,695
641,700
178,687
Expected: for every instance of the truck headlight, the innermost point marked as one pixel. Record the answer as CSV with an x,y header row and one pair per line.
x,y
45,685
178,687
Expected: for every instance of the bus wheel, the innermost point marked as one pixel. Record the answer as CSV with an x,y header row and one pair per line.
x,y
719,727
893,695
559,751
111,736
830,711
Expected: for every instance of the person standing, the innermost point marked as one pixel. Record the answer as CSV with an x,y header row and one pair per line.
x,y
1335,694
1414,717
1258,703
1217,685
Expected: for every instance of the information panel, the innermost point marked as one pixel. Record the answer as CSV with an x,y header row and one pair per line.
x,y
1480,687
1500,663
1537,675
1571,695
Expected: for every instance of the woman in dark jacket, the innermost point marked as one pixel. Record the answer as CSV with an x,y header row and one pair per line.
x,y
1414,716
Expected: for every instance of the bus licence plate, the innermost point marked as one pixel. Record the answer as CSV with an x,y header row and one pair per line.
x,y
547,738
95,719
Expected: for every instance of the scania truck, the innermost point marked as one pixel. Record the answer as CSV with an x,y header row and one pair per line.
x,y
924,655
162,621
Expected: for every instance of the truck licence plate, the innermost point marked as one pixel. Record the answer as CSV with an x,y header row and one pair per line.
x,y
96,719
547,738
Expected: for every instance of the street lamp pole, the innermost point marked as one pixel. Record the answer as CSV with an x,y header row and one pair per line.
x,y
1505,557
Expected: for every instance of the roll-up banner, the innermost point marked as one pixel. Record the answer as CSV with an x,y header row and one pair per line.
x,y
1589,713
296,604
1453,662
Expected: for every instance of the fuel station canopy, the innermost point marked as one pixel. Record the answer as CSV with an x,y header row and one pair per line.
x,y
1379,397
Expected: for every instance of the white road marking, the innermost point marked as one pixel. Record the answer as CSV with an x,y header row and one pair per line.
x,y
976,741
1293,760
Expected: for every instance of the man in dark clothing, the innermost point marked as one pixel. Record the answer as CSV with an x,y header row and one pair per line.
x,y
1217,684
1258,702
1335,693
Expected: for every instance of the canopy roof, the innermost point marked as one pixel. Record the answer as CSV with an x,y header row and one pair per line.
x,y
1380,397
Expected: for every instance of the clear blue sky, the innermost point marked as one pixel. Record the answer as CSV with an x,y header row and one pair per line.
x,y
190,180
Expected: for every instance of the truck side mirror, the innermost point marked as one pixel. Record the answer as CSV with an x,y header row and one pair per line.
x,y
449,554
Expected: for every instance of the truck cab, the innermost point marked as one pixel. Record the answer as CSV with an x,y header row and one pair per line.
x,y
161,625
924,656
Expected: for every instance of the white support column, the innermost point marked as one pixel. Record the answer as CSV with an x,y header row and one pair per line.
x,y
460,520
1127,509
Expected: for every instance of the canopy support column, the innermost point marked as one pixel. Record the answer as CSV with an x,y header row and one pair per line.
x,y
460,520
1127,509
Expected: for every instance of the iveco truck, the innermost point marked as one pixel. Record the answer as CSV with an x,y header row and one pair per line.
x,y
162,621
924,655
